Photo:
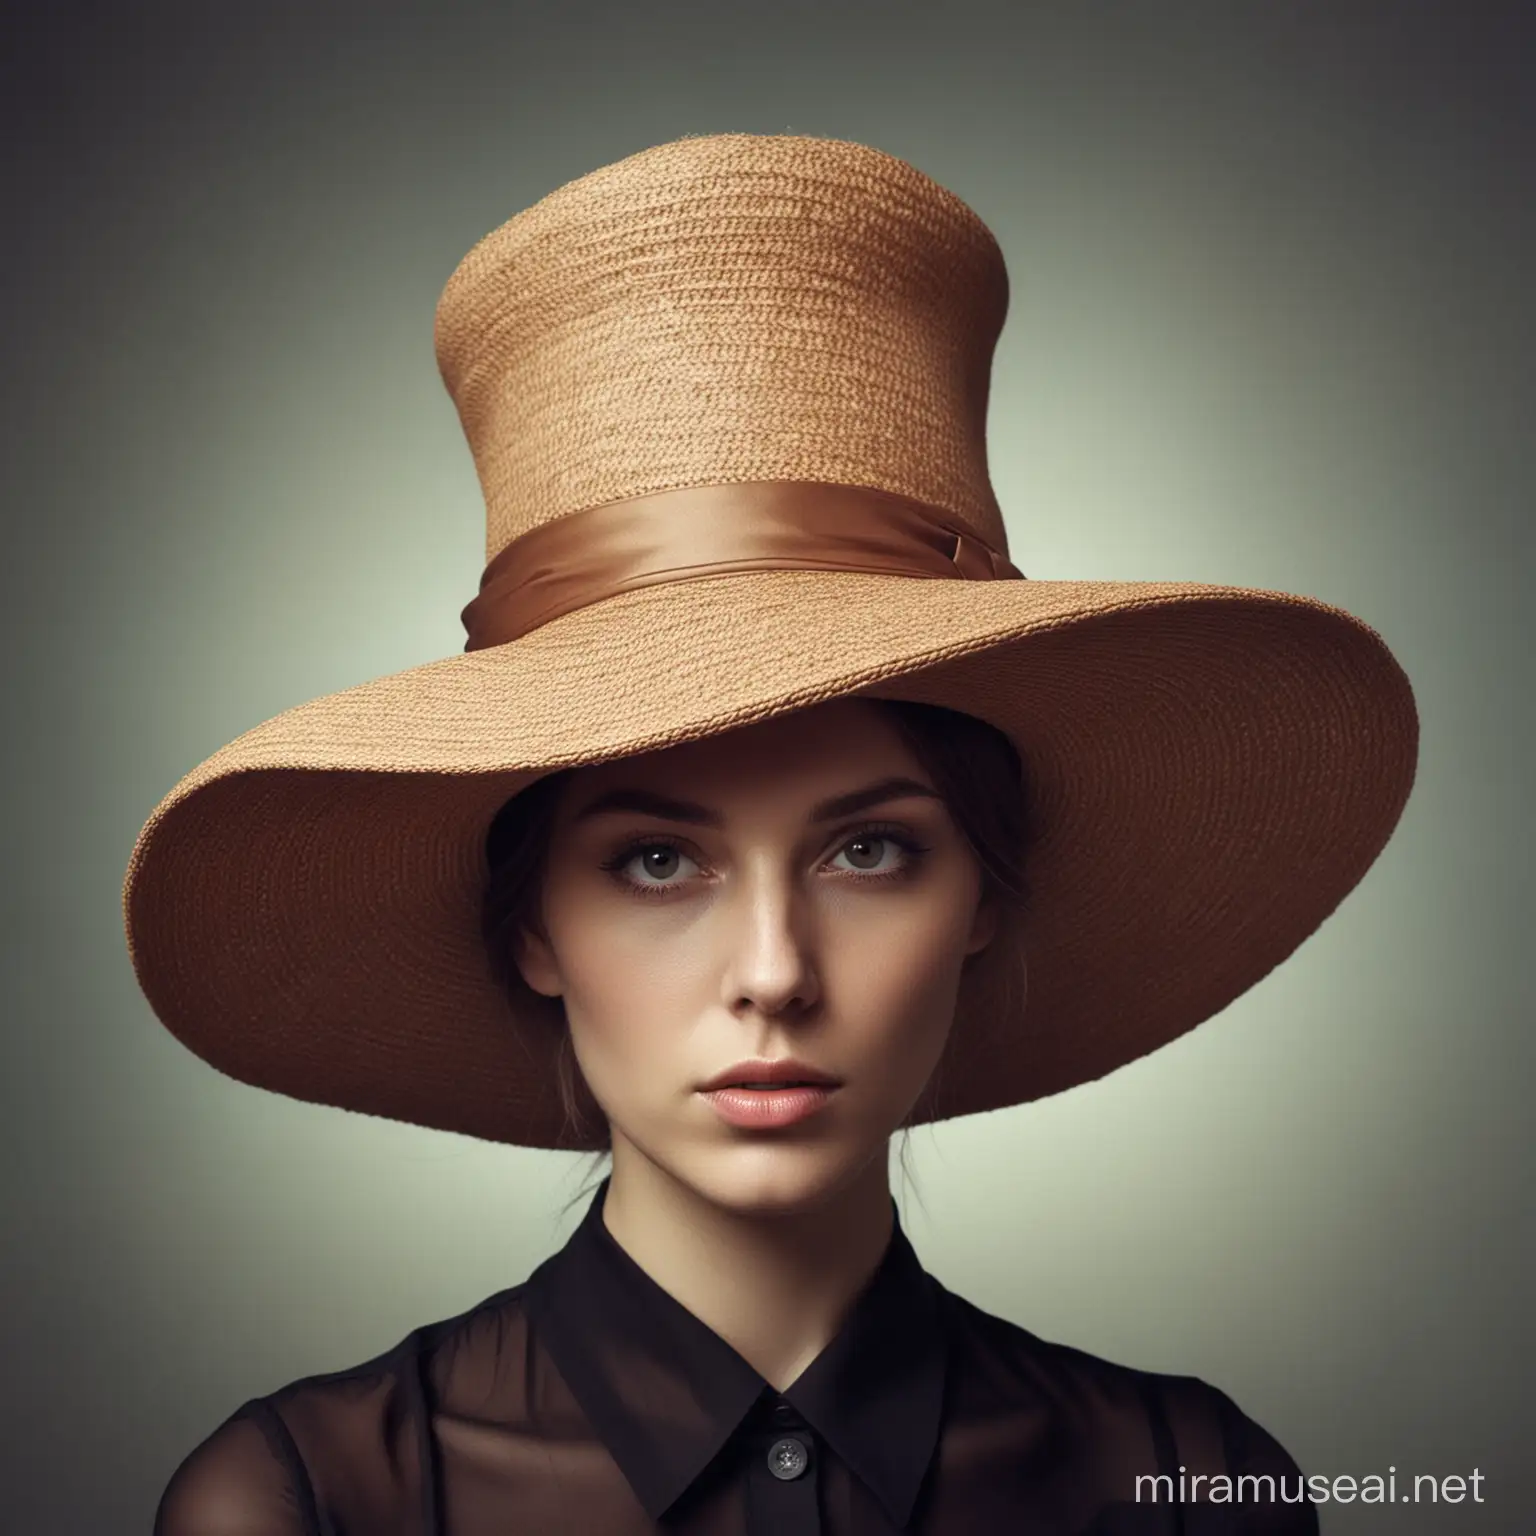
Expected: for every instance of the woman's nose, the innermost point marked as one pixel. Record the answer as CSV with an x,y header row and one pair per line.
x,y
770,961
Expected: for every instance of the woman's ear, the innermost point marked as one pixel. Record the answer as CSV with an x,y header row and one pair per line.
x,y
983,926
535,961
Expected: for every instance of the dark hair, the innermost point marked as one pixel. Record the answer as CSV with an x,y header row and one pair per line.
x,y
973,765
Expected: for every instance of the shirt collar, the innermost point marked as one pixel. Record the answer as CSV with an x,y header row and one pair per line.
x,y
664,1392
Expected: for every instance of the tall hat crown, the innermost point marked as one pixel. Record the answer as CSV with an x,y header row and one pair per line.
x,y
727,309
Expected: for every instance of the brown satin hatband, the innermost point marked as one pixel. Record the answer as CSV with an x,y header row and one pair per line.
x,y
717,530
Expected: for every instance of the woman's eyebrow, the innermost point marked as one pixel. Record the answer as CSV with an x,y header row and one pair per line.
x,y
645,802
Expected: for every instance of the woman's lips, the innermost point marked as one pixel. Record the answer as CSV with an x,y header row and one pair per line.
x,y
768,1108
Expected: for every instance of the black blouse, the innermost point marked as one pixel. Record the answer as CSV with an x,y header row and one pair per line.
x,y
589,1402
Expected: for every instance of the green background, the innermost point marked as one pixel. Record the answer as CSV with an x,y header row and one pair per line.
x,y
1271,326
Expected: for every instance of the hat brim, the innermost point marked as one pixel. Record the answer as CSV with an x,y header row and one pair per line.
x,y
1211,769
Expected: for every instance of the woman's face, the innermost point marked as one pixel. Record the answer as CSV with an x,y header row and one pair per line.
x,y
708,904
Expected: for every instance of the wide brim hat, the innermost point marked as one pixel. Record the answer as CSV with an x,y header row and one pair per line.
x,y
727,400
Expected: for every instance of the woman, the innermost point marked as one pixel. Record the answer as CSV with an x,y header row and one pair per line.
x,y
771,811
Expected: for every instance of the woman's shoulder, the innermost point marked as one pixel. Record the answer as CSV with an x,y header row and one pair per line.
x,y
239,1482
279,1459
1196,1425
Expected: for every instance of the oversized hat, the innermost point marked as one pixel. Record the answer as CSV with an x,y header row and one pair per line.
x,y
727,400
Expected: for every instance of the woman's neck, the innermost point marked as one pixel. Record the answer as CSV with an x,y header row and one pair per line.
x,y
775,1287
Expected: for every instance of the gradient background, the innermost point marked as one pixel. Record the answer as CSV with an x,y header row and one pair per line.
x,y
1271,326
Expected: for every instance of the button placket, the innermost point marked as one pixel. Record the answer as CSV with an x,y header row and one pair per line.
x,y
783,1492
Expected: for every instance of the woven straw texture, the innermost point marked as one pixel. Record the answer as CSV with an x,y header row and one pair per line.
x,y
727,309
1213,769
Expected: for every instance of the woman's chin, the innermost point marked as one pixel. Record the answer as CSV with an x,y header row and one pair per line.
x,y
773,1178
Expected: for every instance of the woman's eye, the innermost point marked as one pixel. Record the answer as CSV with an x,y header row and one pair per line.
x,y
657,865
865,852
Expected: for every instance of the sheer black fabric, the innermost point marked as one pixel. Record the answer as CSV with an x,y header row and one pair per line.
x,y
589,1402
